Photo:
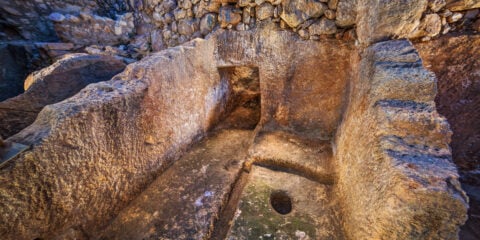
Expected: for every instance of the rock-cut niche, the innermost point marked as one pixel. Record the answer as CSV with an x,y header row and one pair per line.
x,y
242,104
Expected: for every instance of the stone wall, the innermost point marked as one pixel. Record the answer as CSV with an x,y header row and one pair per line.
x,y
141,27
396,177
423,19
169,23
155,25
28,20
90,29
93,153
291,79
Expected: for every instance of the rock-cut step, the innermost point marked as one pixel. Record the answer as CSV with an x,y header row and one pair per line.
x,y
187,198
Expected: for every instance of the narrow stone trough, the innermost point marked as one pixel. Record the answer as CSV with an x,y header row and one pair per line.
x,y
218,190
186,199
196,196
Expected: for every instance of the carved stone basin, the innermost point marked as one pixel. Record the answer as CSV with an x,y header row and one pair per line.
x,y
280,205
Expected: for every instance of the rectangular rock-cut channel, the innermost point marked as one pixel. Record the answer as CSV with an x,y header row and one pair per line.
x,y
187,198
280,205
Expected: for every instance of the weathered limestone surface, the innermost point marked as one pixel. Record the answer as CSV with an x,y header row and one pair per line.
x,y
295,12
292,79
53,84
96,151
143,119
460,5
396,178
186,199
242,105
454,60
346,12
384,19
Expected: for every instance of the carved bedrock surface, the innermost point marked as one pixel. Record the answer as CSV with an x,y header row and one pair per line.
x,y
196,141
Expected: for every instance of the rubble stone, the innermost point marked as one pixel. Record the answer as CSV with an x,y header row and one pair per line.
x,y
186,27
436,5
430,26
264,11
208,23
228,15
461,5
346,13
332,4
296,12
324,26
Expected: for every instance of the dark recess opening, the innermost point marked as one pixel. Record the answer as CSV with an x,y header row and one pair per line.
x,y
243,103
14,69
281,202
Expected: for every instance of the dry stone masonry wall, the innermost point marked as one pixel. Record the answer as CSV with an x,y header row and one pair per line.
x,y
28,20
443,16
143,26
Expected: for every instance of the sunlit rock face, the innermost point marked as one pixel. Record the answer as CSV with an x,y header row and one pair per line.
x,y
405,169
53,84
130,118
226,119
